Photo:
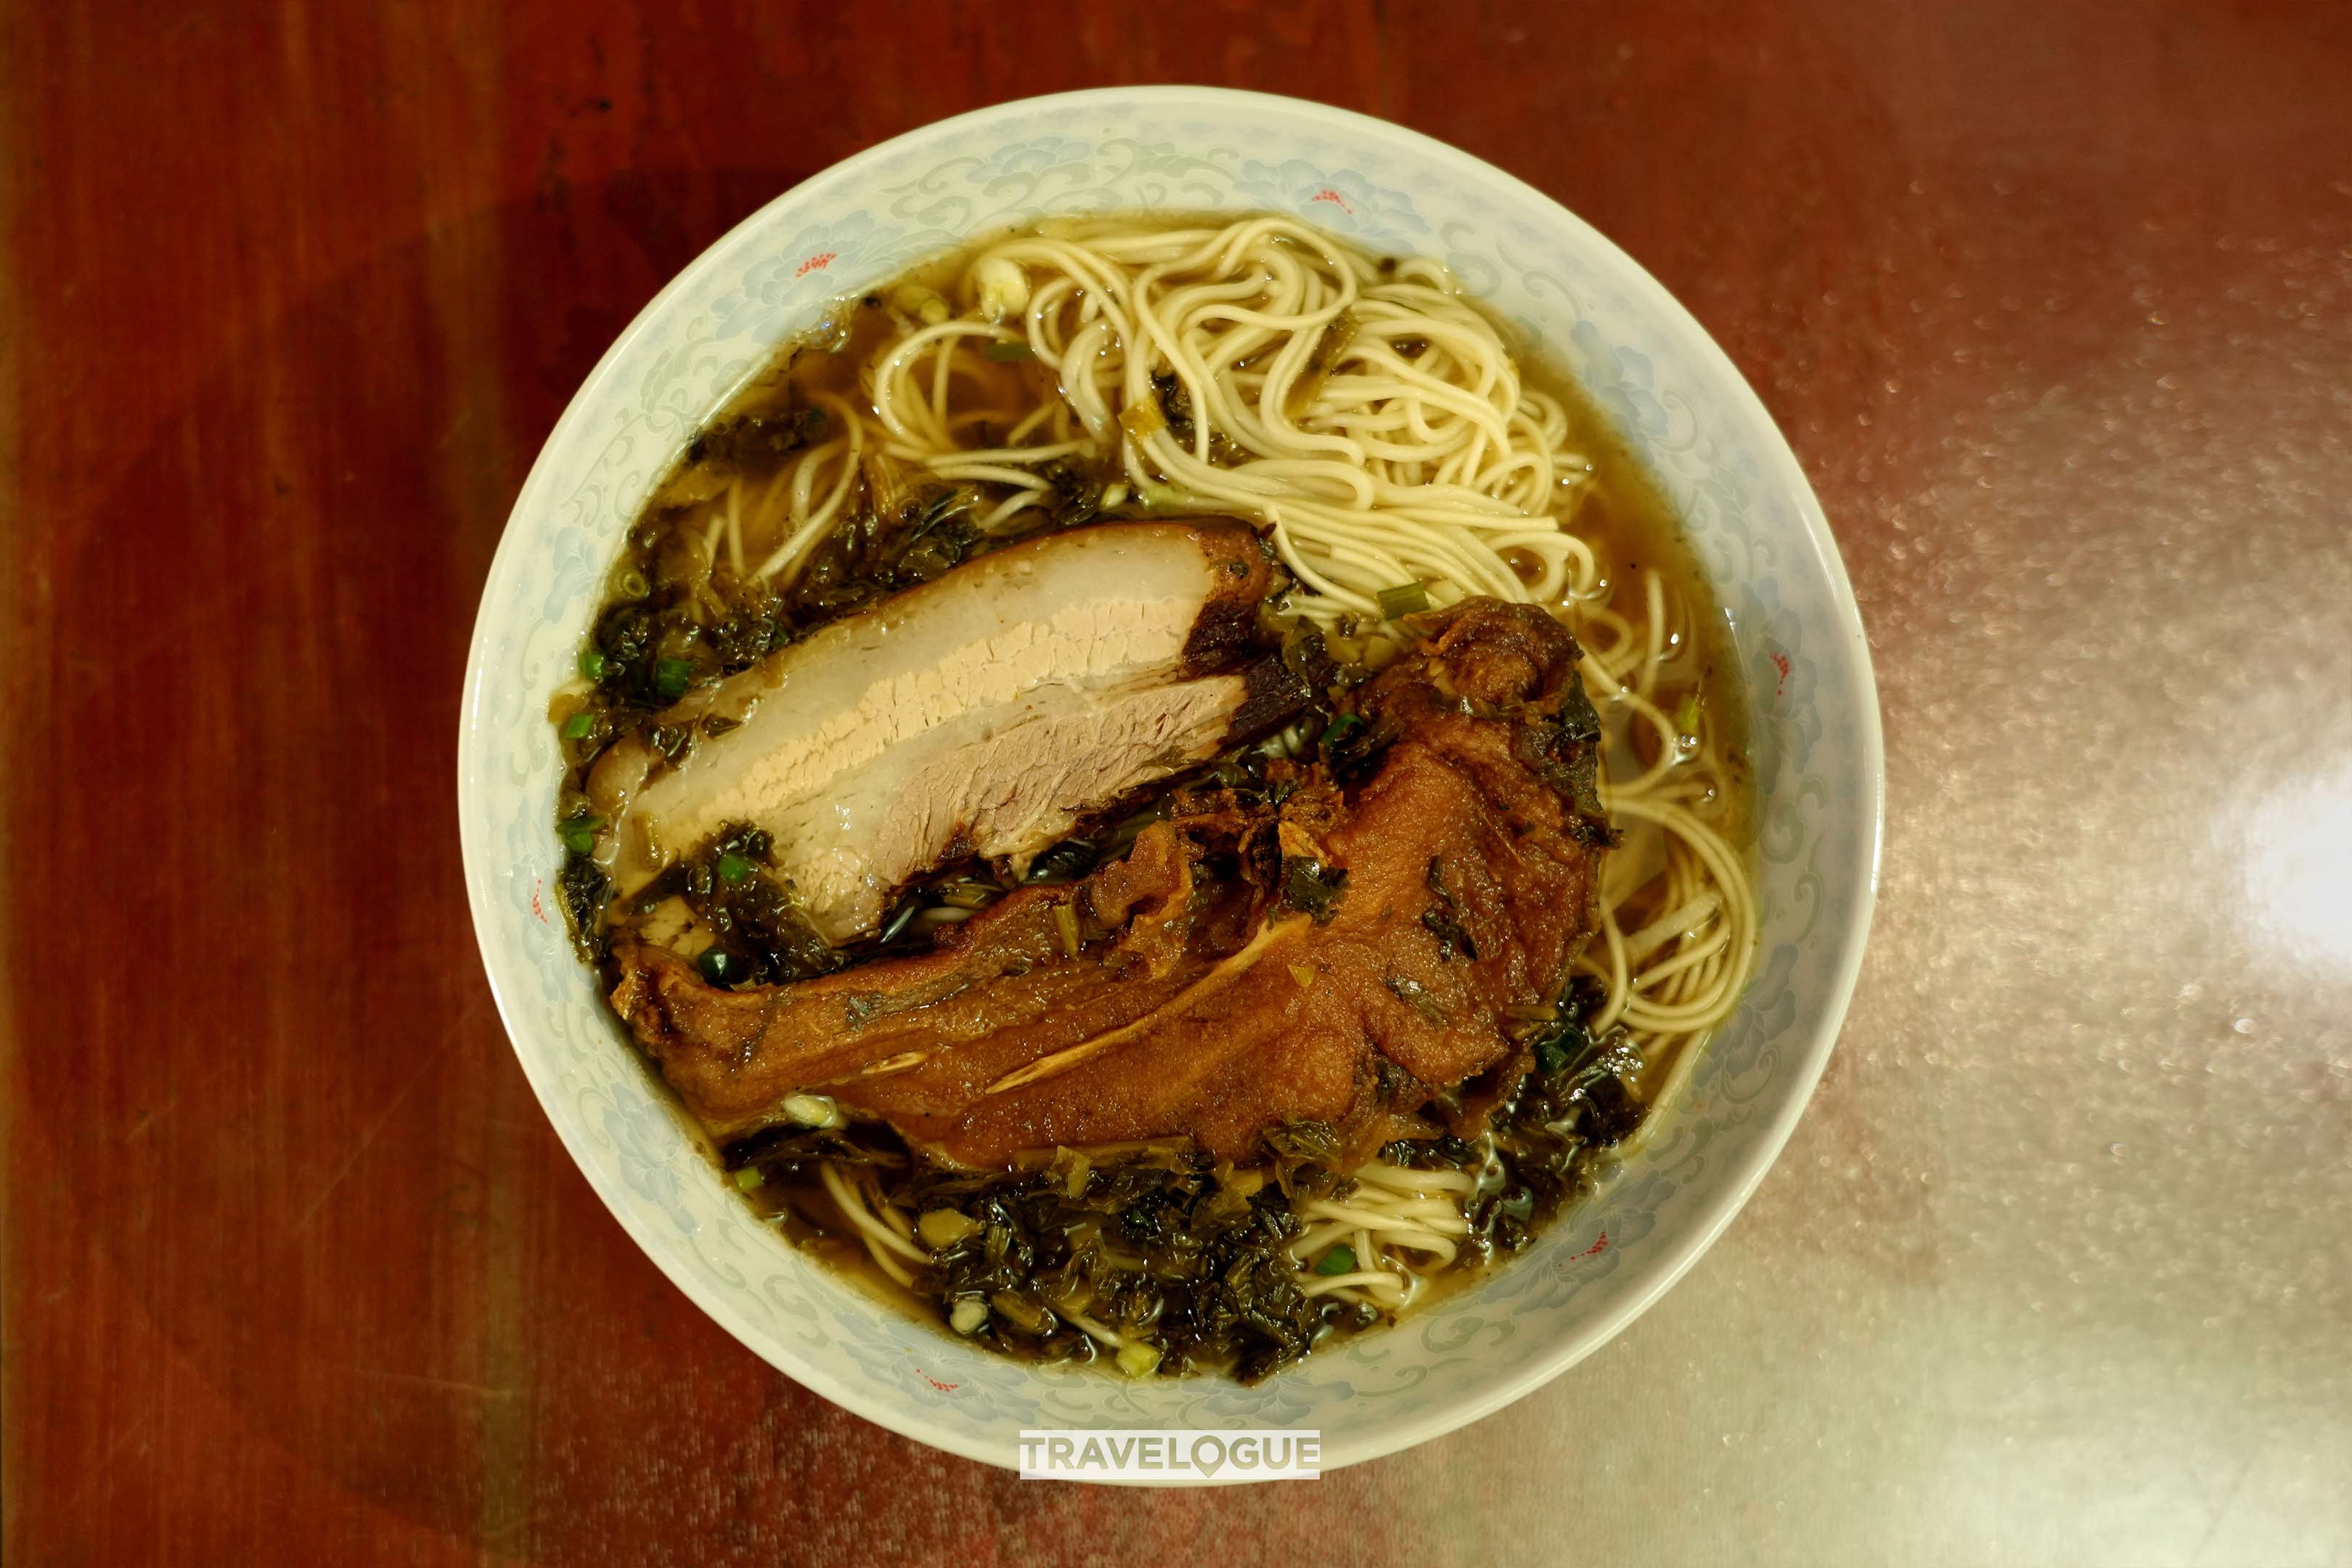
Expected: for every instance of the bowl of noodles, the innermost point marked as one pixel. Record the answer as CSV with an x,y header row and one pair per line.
x,y
1168,758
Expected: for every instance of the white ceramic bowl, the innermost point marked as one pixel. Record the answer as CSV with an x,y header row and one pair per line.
x,y
1759,535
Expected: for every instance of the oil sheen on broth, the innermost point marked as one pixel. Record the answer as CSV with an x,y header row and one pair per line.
x,y
751,541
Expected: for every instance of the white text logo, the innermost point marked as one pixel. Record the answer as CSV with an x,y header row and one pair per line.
x,y
1171,1457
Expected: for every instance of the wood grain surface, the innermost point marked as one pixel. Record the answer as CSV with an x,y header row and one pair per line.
x,y
2053,299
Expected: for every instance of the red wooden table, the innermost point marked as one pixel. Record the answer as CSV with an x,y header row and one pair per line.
x,y
2054,300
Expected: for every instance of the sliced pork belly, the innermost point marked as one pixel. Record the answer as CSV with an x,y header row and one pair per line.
x,y
982,712
1205,1006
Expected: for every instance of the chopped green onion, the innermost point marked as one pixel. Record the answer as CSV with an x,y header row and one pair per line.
x,y
716,966
967,895
1009,353
897,924
1686,716
632,585
576,728
1169,497
749,1179
926,305
1026,1316
968,1315
1139,1360
670,678
733,868
1340,1259
1064,862
1065,919
1405,599
810,1111
1123,832
591,665
579,835
944,1228
1339,729
1143,420
1560,1046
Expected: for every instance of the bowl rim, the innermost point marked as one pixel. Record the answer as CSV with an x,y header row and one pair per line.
x,y
1786,476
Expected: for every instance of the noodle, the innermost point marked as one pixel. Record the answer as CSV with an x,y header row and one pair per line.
x,y
1395,469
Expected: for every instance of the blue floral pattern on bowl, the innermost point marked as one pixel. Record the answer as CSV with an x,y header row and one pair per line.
x,y
1687,414
1339,199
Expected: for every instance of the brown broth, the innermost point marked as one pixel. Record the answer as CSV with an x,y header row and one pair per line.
x,y
1620,514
